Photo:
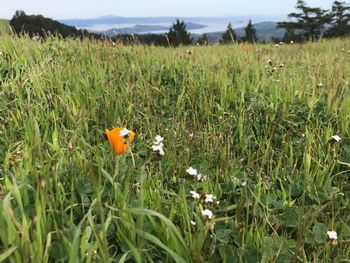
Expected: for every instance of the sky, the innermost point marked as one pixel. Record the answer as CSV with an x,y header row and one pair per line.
x,y
60,9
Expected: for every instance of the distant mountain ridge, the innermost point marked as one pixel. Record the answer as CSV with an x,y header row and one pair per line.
x,y
110,19
265,32
105,20
266,29
146,29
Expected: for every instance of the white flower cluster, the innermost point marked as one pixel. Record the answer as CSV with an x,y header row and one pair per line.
x,y
158,145
200,177
209,198
195,195
208,213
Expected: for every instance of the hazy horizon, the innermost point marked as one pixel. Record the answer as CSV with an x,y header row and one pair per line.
x,y
157,8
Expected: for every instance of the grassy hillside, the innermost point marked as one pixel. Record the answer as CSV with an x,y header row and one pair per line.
x,y
257,122
4,27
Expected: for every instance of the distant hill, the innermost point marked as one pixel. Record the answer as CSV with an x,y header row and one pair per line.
x,y
110,20
265,31
134,29
113,20
146,28
35,25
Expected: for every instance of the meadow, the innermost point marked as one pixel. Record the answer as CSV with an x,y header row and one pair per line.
x,y
257,124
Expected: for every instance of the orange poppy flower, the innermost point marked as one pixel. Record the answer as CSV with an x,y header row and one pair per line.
x,y
244,46
119,139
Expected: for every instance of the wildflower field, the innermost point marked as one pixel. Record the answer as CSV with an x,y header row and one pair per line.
x,y
236,154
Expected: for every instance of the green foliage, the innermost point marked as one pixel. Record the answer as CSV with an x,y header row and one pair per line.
x,y
250,33
203,40
178,34
145,39
39,26
340,16
310,21
19,13
229,36
258,123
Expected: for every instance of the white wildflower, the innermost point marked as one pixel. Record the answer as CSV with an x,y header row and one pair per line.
x,y
191,171
201,177
277,45
209,198
124,132
336,138
195,195
158,139
281,43
244,183
193,223
292,42
158,145
207,213
332,235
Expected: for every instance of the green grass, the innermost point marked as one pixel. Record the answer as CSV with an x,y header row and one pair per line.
x,y
64,196
4,27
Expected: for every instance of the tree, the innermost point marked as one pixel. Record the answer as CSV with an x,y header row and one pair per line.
x,y
203,40
340,17
19,13
250,33
37,25
291,35
309,22
229,36
178,34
